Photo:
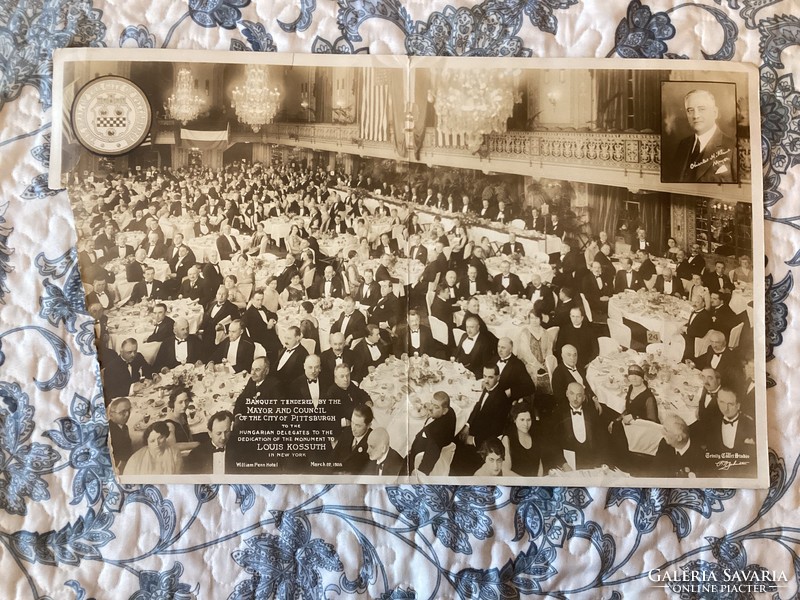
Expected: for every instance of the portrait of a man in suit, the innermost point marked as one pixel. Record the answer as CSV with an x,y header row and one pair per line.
x,y
706,151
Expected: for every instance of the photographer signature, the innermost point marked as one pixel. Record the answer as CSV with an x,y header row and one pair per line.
x,y
724,465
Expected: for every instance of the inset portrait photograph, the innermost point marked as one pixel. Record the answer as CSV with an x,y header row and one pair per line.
x,y
698,136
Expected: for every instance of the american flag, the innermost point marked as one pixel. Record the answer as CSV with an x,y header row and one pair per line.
x,y
375,106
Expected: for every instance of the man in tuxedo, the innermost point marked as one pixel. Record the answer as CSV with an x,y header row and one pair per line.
x,y
721,358
119,412
347,392
218,314
478,260
384,461
382,271
514,378
581,334
368,292
162,324
369,353
211,272
718,280
603,257
683,268
312,384
292,357
735,432
450,281
350,452
330,285
235,350
698,325
708,413
180,349
627,278
647,270
486,420
173,250
722,317
227,244
259,323
417,339
89,261
567,300
147,289
336,355
105,241
439,431
709,155
119,249
679,454
579,430
568,371
506,281
209,456
416,250
487,212
102,294
667,284
539,291
289,270
386,245
386,311
512,246
153,246
475,349
194,287
471,285
597,290
129,368
697,261
134,270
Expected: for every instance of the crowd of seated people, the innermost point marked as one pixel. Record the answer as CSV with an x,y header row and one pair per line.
x,y
535,402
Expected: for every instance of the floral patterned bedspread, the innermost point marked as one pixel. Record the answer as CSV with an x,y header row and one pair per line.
x,y
68,530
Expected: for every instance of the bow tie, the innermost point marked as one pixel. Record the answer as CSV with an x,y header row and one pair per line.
x,y
471,339
413,331
572,369
577,412
310,381
730,421
179,342
215,450
502,360
288,350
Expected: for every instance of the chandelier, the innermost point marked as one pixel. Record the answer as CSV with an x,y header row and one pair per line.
x,y
255,103
184,105
474,103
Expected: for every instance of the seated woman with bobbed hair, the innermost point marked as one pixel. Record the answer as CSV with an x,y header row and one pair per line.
x,y
493,454
158,456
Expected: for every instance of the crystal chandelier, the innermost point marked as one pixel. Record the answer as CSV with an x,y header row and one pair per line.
x,y
184,105
255,103
474,103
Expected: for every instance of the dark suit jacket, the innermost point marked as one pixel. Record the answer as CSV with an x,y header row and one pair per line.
x,y
584,340
298,387
545,295
139,291
594,292
514,286
350,398
443,310
134,271
328,360
593,451
166,353
427,345
244,355
677,286
385,310
228,309
91,298
515,377
121,444
672,464
562,377
729,366
212,277
294,364
371,297
362,358
711,281
646,270
489,421
354,460
435,435
356,326
745,430
391,466
114,252
697,327
707,418
621,282
117,378
225,249
159,249
717,163
163,332
724,319
508,250
201,458
256,327
463,290
318,288
199,291
482,352
419,253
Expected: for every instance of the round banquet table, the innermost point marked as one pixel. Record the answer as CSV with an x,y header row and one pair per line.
x,y
400,389
404,269
336,245
503,314
204,244
213,389
265,266
526,268
653,310
676,386
661,264
136,322
172,225
377,227
131,238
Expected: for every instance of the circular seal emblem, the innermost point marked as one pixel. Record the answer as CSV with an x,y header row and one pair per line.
x,y
110,116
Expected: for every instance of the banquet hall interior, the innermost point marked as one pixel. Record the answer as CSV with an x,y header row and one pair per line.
x,y
500,240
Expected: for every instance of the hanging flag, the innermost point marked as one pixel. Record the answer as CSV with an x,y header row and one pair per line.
x,y
375,106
